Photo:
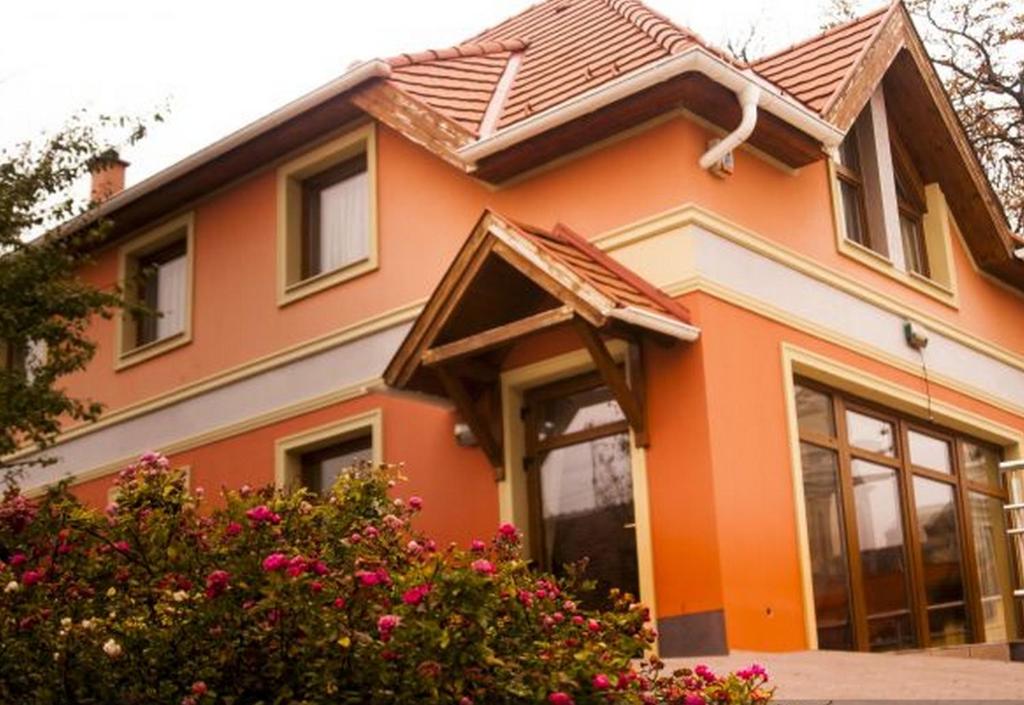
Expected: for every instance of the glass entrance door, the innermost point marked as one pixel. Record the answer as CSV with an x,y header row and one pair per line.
x,y
581,484
904,528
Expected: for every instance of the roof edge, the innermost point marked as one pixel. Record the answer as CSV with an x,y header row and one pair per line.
x,y
355,76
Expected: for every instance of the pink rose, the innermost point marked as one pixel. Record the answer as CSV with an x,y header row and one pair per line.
x,y
508,532
122,547
477,546
560,698
693,699
482,566
387,624
17,559
316,586
593,625
296,567
339,603
416,503
217,583
414,596
199,688
275,561
31,577
319,567
601,682
233,529
263,515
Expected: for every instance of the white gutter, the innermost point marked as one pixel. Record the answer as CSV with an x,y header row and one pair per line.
x,y
634,315
695,59
358,74
748,98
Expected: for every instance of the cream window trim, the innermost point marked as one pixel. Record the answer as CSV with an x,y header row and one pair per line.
x,y
513,500
938,243
139,246
844,378
290,286
287,450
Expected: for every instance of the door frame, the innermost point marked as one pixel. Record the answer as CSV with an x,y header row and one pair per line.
x,y
513,490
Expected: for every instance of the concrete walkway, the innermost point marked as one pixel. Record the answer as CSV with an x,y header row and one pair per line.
x,y
825,676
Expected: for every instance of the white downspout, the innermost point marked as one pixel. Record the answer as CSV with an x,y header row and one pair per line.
x,y
748,97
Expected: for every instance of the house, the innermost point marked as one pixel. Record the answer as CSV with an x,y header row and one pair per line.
x,y
749,337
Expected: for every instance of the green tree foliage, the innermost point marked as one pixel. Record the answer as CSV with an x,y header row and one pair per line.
x,y
293,598
46,308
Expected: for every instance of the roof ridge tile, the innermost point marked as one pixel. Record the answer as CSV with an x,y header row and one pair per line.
x,y
465,50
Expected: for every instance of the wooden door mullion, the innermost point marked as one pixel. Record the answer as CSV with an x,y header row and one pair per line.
x,y
917,594
858,603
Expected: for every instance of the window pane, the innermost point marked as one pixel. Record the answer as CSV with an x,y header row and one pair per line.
x,y
344,222
587,511
980,463
578,412
994,577
929,452
827,538
321,467
883,556
938,533
869,433
913,245
814,411
849,154
853,213
170,297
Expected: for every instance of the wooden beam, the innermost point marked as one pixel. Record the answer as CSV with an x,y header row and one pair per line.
x,y
476,370
495,337
477,422
613,377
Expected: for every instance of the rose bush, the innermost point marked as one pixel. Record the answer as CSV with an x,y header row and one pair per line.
x,y
291,598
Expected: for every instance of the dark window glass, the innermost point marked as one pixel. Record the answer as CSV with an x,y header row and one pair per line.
x,y
883,556
162,282
939,536
814,411
826,534
321,467
335,217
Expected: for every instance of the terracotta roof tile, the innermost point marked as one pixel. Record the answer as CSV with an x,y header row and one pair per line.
x,y
616,281
566,47
813,70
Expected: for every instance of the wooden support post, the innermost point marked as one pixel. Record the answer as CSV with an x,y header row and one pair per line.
x,y
477,422
637,384
613,377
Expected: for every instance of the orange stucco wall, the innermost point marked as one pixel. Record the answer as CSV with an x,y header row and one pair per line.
x,y
426,210
437,469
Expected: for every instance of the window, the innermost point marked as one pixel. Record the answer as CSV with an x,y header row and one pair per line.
x,y
314,459
327,215
910,199
320,468
851,187
907,544
335,225
161,290
157,278
24,358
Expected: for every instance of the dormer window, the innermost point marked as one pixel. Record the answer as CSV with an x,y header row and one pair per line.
x,y
886,215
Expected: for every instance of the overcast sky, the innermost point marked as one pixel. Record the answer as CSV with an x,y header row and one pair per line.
x,y
217,65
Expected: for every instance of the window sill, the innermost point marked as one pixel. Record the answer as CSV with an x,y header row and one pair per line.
x,y
128,358
325,280
880,263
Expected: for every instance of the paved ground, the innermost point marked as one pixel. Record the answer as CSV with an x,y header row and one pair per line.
x,y
824,676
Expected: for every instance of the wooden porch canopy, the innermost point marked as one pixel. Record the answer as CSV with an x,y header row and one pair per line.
x,y
510,281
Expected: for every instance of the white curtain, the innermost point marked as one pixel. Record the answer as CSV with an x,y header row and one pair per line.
x,y
344,222
170,294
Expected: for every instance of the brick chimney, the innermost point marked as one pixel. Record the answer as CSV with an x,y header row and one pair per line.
x,y
107,171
